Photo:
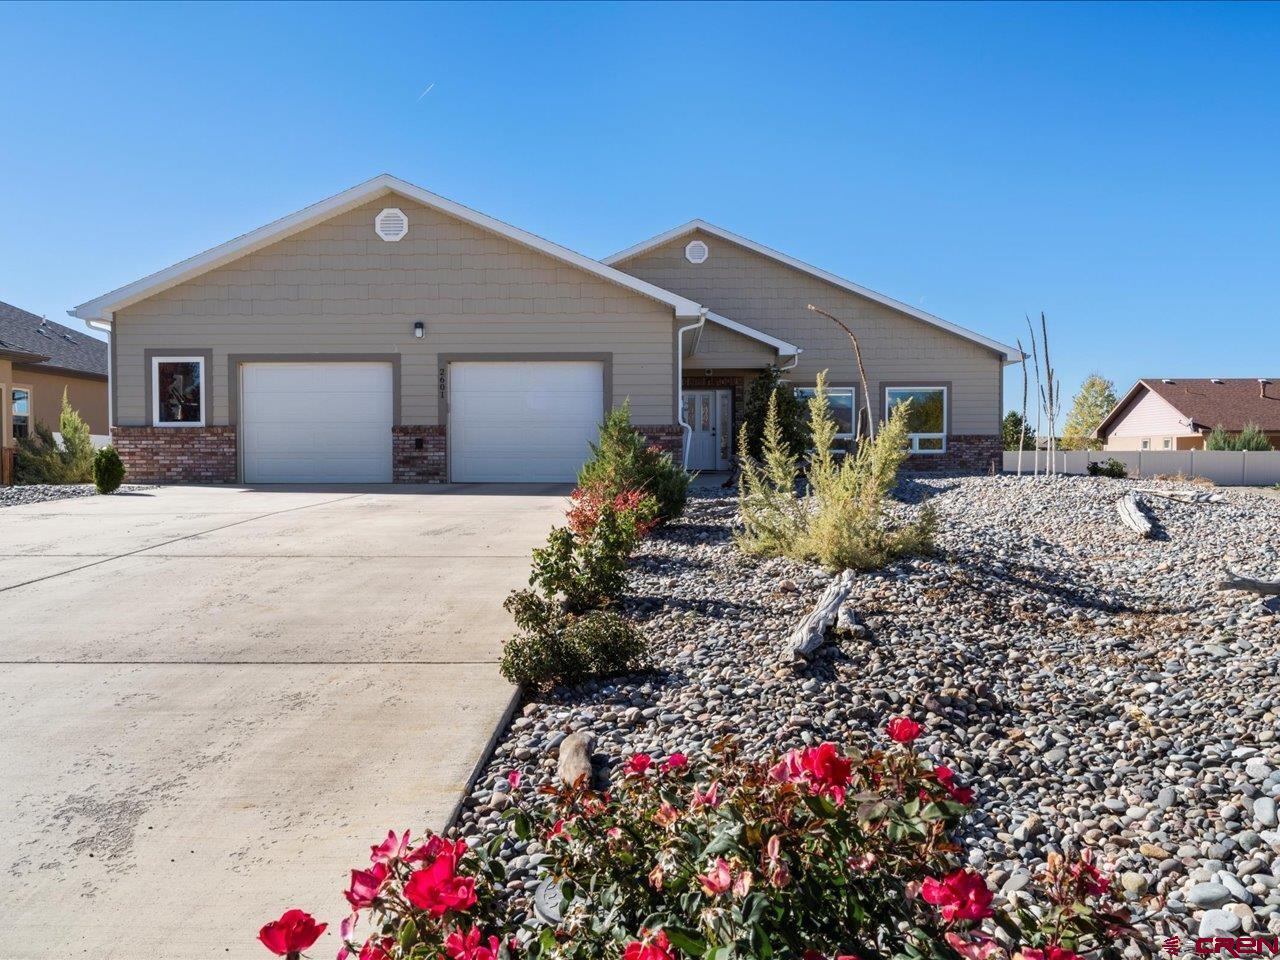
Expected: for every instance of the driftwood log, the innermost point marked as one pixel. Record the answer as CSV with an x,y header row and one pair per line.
x,y
1131,513
574,762
1235,581
812,630
1182,496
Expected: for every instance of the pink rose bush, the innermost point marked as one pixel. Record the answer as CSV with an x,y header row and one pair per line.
x,y
824,854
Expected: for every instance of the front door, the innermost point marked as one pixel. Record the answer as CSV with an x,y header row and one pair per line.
x,y
710,415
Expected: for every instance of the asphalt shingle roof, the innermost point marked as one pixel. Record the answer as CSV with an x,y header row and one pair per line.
x,y
1231,402
24,332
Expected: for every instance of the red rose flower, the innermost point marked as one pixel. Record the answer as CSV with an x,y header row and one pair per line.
x,y
826,770
962,895
903,729
1048,953
677,761
655,947
1089,877
946,777
379,949
365,885
639,764
437,888
295,931
460,946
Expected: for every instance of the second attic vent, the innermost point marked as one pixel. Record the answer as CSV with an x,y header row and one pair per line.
x,y
696,252
391,224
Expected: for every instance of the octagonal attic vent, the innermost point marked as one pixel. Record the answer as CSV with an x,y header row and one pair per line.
x,y
696,251
391,224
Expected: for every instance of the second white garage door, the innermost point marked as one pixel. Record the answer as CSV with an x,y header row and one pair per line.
x,y
523,421
316,422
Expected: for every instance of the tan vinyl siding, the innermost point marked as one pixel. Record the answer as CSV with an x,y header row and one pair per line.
x,y
338,288
720,347
771,296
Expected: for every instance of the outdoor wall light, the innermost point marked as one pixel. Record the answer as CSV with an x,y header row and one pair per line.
x,y
419,329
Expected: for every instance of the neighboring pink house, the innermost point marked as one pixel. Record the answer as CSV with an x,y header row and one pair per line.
x,y
1177,414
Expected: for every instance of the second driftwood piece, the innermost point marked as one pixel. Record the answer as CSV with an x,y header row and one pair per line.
x,y
1235,581
812,630
1131,513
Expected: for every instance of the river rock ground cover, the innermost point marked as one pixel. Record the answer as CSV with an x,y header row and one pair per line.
x,y
1096,690
43,492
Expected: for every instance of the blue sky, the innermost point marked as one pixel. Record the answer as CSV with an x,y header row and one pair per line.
x,y
1115,166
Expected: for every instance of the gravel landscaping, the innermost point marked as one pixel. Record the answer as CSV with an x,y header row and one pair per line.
x,y
44,492
1095,689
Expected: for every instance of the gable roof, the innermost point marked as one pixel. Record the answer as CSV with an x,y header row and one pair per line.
x,y
1207,403
100,309
784,349
1008,353
35,340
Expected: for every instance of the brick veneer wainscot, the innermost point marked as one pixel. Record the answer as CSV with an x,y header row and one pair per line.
x,y
177,454
964,453
409,464
668,436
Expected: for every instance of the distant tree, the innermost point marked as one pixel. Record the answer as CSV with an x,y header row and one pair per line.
x,y
1014,431
1097,398
791,418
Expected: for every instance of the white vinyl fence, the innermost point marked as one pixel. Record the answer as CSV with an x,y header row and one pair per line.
x,y
1224,467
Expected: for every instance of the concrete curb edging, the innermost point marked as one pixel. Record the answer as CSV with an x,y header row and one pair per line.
x,y
485,755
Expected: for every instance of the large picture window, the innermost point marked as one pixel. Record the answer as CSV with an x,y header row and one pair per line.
x,y
842,402
178,391
20,411
927,421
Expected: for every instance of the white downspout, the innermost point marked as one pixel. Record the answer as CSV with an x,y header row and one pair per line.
x,y
685,428
104,326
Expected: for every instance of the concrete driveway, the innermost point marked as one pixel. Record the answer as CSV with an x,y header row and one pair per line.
x,y
213,700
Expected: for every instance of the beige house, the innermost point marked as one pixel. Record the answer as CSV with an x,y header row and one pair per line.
x,y
39,360
1178,414
389,334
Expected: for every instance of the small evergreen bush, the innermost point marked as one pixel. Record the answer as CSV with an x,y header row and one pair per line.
x,y
39,458
1111,467
1251,437
108,470
553,646
623,460
840,523
765,389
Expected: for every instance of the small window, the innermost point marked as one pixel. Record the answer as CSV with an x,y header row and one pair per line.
x,y
927,420
20,411
1167,443
1146,444
178,391
841,401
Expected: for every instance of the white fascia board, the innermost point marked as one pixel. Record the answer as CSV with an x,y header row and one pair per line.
x,y
101,307
1009,354
784,349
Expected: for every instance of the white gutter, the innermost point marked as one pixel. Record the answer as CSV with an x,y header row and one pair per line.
x,y
686,429
103,326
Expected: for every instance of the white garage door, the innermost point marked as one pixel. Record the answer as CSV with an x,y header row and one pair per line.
x,y
316,422
523,421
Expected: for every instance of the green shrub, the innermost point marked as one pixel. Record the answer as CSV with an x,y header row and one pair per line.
x,y
39,458
587,572
108,470
1251,437
840,522
623,460
76,442
766,389
1111,467
553,646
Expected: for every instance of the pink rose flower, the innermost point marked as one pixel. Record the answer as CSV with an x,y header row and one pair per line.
x,y
467,946
365,885
677,761
718,879
903,729
392,848
946,777
979,948
513,778
438,888
962,895
639,764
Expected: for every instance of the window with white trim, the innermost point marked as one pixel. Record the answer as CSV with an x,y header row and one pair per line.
x,y
1146,444
842,402
927,419
178,395
20,411
1167,443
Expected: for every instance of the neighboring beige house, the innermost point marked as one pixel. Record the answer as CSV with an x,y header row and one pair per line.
x,y
1178,414
39,360
389,334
